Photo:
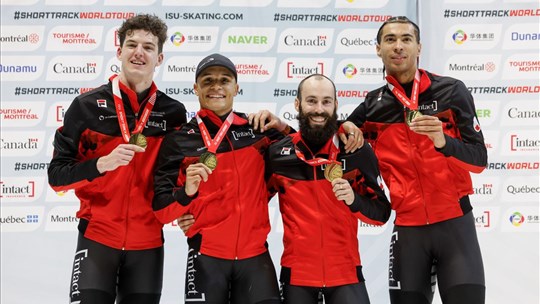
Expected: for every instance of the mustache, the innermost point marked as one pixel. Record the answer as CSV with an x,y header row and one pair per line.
x,y
324,115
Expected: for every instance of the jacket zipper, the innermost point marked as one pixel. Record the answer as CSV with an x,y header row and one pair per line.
x,y
414,165
238,201
323,264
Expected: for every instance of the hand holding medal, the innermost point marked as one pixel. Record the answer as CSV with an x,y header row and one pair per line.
x,y
343,190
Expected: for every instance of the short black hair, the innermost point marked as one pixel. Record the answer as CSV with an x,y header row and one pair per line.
x,y
399,19
317,76
146,22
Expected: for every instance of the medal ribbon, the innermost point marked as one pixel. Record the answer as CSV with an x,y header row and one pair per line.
x,y
119,106
332,155
408,103
213,144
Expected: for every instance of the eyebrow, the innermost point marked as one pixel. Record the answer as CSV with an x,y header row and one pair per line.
x,y
393,34
145,43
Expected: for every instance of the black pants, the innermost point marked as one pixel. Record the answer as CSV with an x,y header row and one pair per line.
x,y
102,274
447,252
345,294
212,280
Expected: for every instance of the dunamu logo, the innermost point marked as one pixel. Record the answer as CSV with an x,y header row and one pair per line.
x,y
79,257
192,295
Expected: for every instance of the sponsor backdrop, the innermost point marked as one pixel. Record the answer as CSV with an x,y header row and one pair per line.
x,y
53,50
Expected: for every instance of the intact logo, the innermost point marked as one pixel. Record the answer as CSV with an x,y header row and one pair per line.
x,y
297,71
238,134
60,113
293,69
522,142
484,220
17,190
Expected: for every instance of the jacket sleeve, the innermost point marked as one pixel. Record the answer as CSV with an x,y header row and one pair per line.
x,y
358,116
170,199
469,152
370,203
271,182
67,169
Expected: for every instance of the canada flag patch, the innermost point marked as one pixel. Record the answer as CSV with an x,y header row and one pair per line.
x,y
476,125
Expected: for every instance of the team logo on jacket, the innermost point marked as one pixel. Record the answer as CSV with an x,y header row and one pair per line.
x,y
191,131
285,151
238,134
476,125
101,103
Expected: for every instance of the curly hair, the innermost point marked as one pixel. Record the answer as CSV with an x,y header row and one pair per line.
x,y
146,22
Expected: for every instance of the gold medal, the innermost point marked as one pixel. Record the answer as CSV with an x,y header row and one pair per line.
x,y
412,114
333,171
209,159
138,139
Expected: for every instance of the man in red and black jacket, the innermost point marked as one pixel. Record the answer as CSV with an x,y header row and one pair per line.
x,y
105,151
425,133
323,192
213,169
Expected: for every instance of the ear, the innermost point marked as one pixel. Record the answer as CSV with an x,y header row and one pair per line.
x,y
378,49
419,49
195,89
159,59
297,105
119,53
236,90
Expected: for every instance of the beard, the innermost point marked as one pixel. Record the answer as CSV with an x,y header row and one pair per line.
x,y
317,135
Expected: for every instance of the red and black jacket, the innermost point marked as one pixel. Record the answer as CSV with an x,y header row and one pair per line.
x,y
231,207
320,233
115,207
427,185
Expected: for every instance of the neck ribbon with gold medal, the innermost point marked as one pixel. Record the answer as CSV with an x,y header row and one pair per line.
x,y
333,168
411,105
136,138
209,157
